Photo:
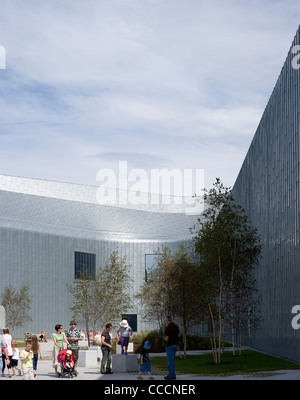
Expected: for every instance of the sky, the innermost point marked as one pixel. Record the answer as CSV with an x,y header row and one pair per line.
x,y
158,84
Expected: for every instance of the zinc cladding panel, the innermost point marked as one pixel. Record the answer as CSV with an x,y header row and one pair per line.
x,y
39,237
91,195
268,187
47,213
47,263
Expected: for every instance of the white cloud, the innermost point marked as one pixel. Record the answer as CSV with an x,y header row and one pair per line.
x,y
183,81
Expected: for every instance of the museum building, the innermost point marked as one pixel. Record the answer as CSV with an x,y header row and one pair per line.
x,y
50,231
268,188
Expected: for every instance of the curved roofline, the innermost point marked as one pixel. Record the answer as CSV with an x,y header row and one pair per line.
x,y
149,202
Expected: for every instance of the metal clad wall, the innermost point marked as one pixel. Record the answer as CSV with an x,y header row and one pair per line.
x,y
40,235
268,188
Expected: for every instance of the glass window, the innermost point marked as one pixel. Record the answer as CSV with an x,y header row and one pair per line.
x,y
150,263
85,262
132,320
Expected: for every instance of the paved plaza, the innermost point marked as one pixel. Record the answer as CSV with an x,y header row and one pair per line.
x,y
46,372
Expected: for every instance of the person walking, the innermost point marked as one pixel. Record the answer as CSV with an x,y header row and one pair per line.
x,y
36,348
73,335
26,357
145,361
4,359
171,338
8,339
15,358
58,338
106,348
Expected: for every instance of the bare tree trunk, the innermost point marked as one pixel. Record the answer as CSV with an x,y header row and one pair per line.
x,y
88,333
213,335
184,343
240,352
232,336
232,313
220,309
15,323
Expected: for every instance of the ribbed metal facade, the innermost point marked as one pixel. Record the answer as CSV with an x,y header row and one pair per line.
x,y
43,224
268,188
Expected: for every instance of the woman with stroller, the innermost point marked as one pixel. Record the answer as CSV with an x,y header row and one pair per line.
x,y
58,338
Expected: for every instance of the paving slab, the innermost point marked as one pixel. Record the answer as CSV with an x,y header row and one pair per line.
x,y
45,371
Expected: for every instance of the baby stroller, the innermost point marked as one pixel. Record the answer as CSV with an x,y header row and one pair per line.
x,y
67,362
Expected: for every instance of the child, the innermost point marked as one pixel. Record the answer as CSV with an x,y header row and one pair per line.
x,y
15,358
26,357
69,363
145,361
36,348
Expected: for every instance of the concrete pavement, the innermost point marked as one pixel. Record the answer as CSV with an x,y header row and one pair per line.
x,y
45,371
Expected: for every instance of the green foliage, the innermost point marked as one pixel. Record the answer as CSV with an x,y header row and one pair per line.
x,y
228,251
113,287
172,288
156,294
101,300
17,304
213,283
250,362
158,345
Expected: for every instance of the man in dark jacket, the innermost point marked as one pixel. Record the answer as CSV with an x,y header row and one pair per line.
x,y
106,348
171,337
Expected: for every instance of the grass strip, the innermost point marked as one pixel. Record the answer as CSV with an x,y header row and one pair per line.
x,y
250,361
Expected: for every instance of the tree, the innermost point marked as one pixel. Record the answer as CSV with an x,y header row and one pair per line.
x,y
172,288
17,304
244,253
210,244
99,300
184,277
156,294
228,249
82,289
113,291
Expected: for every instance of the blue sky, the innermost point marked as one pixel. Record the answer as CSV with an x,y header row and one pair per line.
x,y
157,83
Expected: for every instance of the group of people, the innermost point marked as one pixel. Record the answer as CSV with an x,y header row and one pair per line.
x,y
71,337
123,333
171,338
29,356
11,355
